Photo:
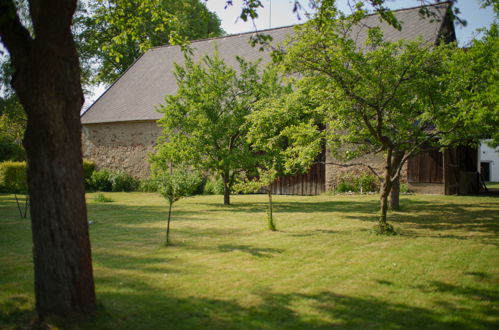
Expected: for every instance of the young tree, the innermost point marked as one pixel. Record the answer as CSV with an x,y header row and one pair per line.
x,y
174,184
384,98
203,124
285,138
47,83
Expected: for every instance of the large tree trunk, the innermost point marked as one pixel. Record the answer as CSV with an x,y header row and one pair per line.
x,y
47,82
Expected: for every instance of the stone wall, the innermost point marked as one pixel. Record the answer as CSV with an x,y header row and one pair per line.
x,y
121,145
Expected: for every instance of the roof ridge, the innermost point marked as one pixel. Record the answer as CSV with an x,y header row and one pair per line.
x,y
439,3
228,36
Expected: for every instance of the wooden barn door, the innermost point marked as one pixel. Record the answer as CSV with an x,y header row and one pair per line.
x,y
425,167
311,183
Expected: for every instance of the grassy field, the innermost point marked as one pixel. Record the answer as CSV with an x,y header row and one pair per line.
x,y
324,267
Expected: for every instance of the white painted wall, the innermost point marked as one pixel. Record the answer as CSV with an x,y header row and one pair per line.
x,y
491,155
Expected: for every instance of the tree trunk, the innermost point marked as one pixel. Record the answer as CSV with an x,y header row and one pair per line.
x,y
47,82
270,217
397,157
383,226
225,178
168,224
395,195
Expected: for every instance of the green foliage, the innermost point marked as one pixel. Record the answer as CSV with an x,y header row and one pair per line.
x,y
115,33
99,181
177,183
204,123
101,198
213,186
13,177
363,183
473,89
148,185
382,96
88,169
122,181
106,180
12,127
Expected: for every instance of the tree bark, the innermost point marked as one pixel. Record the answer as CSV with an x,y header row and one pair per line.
x,y
395,190
225,178
386,186
395,195
168,224
270,216
47,82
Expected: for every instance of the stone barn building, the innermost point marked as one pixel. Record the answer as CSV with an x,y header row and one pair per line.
x,y
119,129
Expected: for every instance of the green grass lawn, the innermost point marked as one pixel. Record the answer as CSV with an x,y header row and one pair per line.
x,y
323,268
492,185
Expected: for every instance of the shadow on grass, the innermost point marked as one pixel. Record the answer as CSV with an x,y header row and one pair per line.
x,y
144,307
366,206
444,218
254,251
14,314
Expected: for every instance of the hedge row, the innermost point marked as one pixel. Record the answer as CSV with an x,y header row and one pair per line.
x,y
13,177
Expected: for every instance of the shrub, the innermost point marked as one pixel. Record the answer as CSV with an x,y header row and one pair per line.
x,y
99,181
10,150
148,185
13,177
122,181
88,169
112,181
100,198
213,186
365,182
345,185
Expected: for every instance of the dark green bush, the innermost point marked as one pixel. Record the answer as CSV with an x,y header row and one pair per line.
x,y
122,181
106,180
13,177
99,181
11,151
88,169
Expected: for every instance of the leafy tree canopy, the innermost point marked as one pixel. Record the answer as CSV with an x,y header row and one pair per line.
x,y
203,124
388,97
114,33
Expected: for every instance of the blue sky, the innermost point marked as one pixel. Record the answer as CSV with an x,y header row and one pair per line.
x,y
282,15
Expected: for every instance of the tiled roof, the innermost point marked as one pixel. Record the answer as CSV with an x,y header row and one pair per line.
x,y
137,93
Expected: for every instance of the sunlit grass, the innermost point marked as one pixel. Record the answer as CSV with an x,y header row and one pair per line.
x,y
323,267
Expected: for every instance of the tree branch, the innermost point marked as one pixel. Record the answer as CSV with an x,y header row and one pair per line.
x,y
14,35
